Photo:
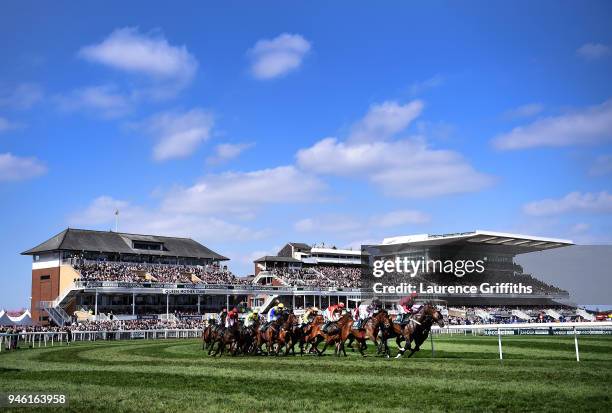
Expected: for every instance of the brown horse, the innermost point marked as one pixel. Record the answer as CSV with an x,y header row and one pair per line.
x,y
312,332
370,331
269,336
337,334
226,338
394,330
247,342
418,328
210,335
286,333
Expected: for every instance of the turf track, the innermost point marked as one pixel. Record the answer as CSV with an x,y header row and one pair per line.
x,y
538,374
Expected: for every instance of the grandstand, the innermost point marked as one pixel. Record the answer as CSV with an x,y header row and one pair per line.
x,y
136,275
88,275
495,249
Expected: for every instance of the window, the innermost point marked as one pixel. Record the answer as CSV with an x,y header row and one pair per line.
x,y
45,277
147,245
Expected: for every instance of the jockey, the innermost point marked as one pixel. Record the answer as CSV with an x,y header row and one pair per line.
x,y
362,313
231,318
275,312
404,307
331,315
310,313
223,316
333,312
251,318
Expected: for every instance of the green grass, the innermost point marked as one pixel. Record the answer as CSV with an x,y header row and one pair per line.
x,y
537,374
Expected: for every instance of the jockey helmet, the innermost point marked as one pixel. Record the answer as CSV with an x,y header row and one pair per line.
x,y
281,305
341,305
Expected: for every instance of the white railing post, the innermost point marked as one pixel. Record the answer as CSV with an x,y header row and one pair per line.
x,y
576,344
431,334
501,356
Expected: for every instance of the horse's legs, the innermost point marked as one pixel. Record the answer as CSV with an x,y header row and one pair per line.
x,y
350,342
362,346
324,348
412,351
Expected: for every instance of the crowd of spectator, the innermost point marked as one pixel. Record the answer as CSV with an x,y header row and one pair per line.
x,y
505,315
320,276
163,273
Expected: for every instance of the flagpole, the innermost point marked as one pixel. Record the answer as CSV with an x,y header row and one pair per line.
x,y
116,220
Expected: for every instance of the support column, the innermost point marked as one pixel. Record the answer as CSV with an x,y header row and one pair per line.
x,y
199,312
133,303
167,306
294,301
96,306
227,301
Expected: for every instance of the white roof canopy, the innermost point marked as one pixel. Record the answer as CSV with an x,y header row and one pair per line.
x,y
528,242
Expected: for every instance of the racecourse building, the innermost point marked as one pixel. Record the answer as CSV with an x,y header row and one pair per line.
x,y
84,273
495,278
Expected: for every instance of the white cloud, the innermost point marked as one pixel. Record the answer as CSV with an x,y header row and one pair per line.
x,y
104,101
601,166
419,87
206,209
402,168
400,217
227,151
178,134
170,67
334,223
15,168
589,125
276,57
352,227
242,192
385,120
24,96
525,111
405,168
6,125
593,51
128,50
142,220
573,202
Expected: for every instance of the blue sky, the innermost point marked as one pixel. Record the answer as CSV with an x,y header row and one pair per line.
x,y
248,125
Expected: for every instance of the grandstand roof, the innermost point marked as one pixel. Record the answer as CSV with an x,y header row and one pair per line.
x,y
274,258
335,251
522,243
122,243
300,245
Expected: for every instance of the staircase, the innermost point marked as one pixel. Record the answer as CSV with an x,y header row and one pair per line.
x,y
553,314
266,274
482,314
55,308
521,315
56,313
585,314
266,304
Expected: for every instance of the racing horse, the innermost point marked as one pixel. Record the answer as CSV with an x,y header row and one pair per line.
x,y
370,330
268,334
419,327
226,338
337,333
